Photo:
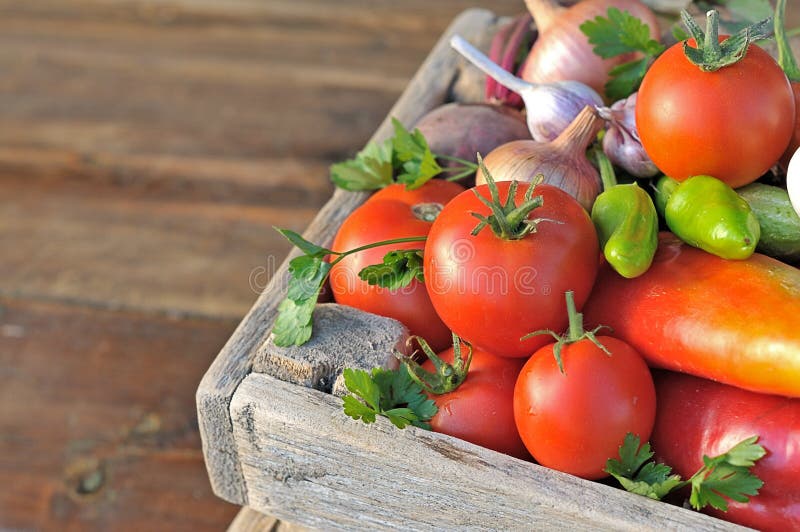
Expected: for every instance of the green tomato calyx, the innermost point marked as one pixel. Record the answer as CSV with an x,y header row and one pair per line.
x,y
446,377
508,221
710,54
575,332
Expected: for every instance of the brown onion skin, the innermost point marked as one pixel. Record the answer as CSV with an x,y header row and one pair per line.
x,y
561,162
562,51
514,161
464,130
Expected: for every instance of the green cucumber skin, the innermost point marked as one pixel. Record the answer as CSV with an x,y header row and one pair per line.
x,y
780,224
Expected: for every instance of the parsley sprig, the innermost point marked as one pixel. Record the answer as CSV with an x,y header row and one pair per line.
x,y
389,393
405,158
621,33
727,475
307,274
397,270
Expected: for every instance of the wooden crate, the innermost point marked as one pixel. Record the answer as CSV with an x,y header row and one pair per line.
x,y
291,452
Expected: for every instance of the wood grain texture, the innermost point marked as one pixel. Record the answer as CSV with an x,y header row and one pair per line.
x,y
427,89
97,425
249,520
306,461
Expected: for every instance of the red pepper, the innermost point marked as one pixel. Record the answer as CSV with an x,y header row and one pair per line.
x,y
696,417
733,321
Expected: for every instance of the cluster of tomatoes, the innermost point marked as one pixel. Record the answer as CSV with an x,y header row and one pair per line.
x,y
497,269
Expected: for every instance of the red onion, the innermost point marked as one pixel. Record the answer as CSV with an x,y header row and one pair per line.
x,y
562,51
460,131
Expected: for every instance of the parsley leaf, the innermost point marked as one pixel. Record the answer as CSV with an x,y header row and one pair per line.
x,y
397,270
621,33
636,474
726,475
414,157
307,273
371,169
406,155
389,393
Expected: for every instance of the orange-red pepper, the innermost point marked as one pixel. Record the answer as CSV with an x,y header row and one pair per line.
x,y
733,321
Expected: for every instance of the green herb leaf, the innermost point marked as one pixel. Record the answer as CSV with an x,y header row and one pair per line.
x,y
727,475
398,269
308,248
371,169
626,78
307,273
413,156
389,393
637,475
293,324
621,33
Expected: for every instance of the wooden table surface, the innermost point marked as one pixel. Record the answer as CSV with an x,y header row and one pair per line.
x,y
147,147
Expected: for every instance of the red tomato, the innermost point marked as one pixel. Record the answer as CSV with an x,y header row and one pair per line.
x,y
733,123
492,291
575,421
388,214
481,410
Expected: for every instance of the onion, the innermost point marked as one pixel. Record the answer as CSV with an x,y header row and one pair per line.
x,y
562,162
458,131
562,51
551,107
621,141
513,38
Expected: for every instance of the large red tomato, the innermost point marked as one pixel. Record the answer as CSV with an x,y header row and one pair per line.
x,y
576,420
481,409
492,291
733,123
393,212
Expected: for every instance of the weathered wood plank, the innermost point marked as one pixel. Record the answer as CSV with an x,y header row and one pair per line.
x,y
97,423
344,337
427,89
306,461
249,520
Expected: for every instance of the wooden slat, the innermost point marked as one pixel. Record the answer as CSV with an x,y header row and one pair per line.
x,y
427,89
97,422
305,460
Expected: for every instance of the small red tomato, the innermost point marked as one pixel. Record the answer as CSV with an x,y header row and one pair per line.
x,y
393,212
480,410
575,420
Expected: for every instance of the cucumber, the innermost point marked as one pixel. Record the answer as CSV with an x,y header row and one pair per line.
x,y
780,224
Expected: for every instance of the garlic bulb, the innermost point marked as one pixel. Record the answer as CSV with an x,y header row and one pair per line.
x,y
562,162
621,141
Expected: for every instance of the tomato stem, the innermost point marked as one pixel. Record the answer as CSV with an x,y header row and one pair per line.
x,y
446,377
575,332
710,54
607,174
508,221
